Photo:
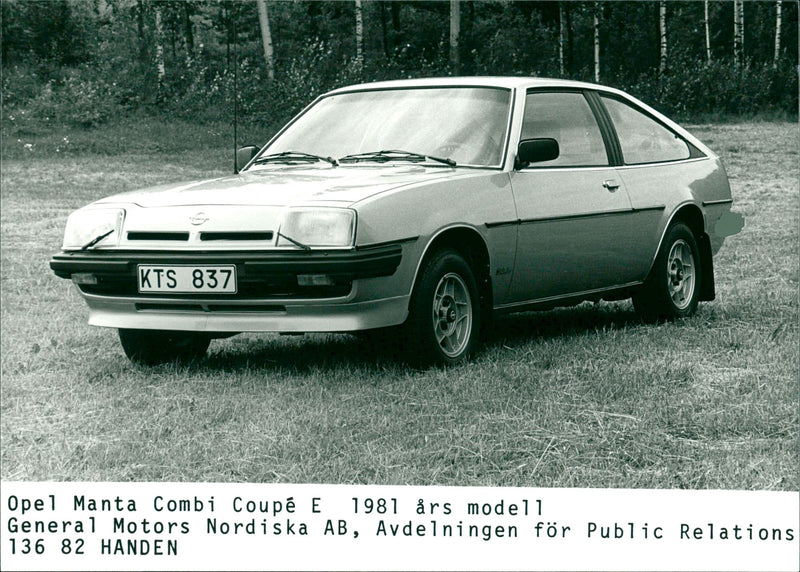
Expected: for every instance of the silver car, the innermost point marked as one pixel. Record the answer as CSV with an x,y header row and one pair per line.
x,y
418,208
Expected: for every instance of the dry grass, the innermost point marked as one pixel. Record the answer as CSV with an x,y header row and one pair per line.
x,y
584,397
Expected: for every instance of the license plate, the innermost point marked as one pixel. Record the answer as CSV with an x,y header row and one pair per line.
x,y
187,279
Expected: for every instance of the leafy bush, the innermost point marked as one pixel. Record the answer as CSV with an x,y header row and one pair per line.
x,y
315,69
718,89
79,98
19,84
405,64
76,101
202,88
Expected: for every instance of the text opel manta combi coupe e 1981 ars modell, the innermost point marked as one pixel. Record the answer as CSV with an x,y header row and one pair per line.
x,y
417,207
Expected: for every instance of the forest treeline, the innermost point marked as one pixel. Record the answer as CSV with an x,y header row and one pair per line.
x,y
82,62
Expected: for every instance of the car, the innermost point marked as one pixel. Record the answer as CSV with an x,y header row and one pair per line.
x,y
414,208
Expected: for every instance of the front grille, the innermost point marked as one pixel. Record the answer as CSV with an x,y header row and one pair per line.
x,y
249,235
160,235
243,235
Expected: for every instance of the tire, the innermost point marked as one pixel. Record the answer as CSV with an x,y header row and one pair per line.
x,y
152,347
444,312
672,290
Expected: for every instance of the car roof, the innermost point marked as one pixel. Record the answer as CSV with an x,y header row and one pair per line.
x,y
472,81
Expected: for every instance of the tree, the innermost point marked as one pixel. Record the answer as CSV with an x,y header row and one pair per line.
x,y
396,25
45,31
188,32
597,42
161,69
391,39
562,38
179,52
384,29
662,30
266,37
359,36
777,34
455,30
708,35
738,32
568,58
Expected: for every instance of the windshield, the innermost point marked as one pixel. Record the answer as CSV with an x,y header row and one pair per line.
x,y
465,124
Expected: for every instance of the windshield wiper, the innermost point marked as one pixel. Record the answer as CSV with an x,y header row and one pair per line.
x,y
293,157
394,155
96,239
295,242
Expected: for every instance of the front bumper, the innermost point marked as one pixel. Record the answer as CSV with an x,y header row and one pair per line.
x,y
269,297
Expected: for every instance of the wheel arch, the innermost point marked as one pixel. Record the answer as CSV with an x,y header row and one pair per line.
x,y
692,216
468,242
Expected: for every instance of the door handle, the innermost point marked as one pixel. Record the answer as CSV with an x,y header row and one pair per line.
x,y
611,184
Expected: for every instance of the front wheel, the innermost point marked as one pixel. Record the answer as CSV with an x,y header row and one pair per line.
x,y
673,288
444,312
152,347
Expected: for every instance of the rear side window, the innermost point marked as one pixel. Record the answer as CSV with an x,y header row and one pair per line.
x,y
643,139
567,118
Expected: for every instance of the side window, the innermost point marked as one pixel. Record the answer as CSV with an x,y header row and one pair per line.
x,y
643,140
567,118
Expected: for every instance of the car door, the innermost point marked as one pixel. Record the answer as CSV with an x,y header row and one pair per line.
x,y
653,171
572,210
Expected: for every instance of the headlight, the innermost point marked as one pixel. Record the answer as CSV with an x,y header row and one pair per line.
x,y
318,227
86,225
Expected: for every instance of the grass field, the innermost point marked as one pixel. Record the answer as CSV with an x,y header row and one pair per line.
x,y
581,397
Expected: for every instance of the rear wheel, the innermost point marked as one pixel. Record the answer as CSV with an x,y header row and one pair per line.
x,y
673,288
152,347
444,312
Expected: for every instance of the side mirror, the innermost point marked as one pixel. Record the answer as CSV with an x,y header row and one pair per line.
x,y
244,155
536,151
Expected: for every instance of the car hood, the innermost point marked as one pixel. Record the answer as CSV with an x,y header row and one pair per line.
x,y
285,186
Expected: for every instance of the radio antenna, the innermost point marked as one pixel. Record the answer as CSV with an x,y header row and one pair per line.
x,y
235,91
